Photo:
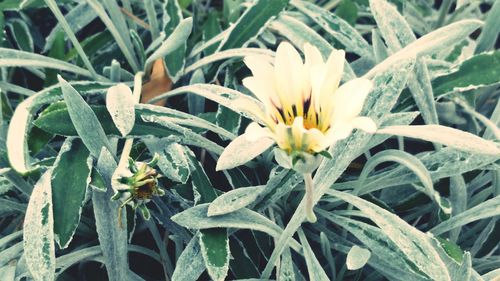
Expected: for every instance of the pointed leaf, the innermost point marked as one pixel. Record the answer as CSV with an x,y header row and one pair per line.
x,y
120,104
357,257
85,121
70,178
445,135
39,248
234,200
241,150
214,245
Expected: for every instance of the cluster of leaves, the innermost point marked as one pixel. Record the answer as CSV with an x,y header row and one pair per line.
x,y
427,213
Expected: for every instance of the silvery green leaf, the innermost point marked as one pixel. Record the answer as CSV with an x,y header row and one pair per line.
x,y
228,54
241,150
445,135
118,30
214,244
16,58
441,164
337,27
85,121
489,34
8,272
409,161
9,87
120,104
173,161
397,34
174,41
70,179
38,228
112,236
314,268
22,35
386,256
11,253
357,257
77,18
488,208
251,23
234,200
234,100
286,272
190,263
415,244
429,44
197,218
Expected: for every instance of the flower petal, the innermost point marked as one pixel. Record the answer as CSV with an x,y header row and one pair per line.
x,y
316,140
259,65
339,131
262,82
263,90
288,72
298,132
312,55
350,98
283,159
334,71
255,132
364,123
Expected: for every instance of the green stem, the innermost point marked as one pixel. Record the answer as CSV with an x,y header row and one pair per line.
x,y
443,11
311,217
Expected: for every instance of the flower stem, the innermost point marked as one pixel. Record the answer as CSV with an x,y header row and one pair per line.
x,y
311,217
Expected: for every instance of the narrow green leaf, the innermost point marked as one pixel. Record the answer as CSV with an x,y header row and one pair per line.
x,y
111,232
478,71
251,23
173,161
22,36
445,135
85,121
197,218
429,44
77,18
314,268
242,150
488,208
337,27
415,244
15,58
387,257
211,28
175,41
214,245
190,263
176,59
234,200
39,248
70,179
214,242
489,34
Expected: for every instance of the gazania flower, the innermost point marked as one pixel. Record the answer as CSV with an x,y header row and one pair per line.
x,y
137,185
306,110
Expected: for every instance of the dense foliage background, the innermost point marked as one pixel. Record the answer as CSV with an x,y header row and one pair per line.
x,y
423,205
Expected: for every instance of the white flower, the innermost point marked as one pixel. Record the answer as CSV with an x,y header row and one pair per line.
x,y
305,109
